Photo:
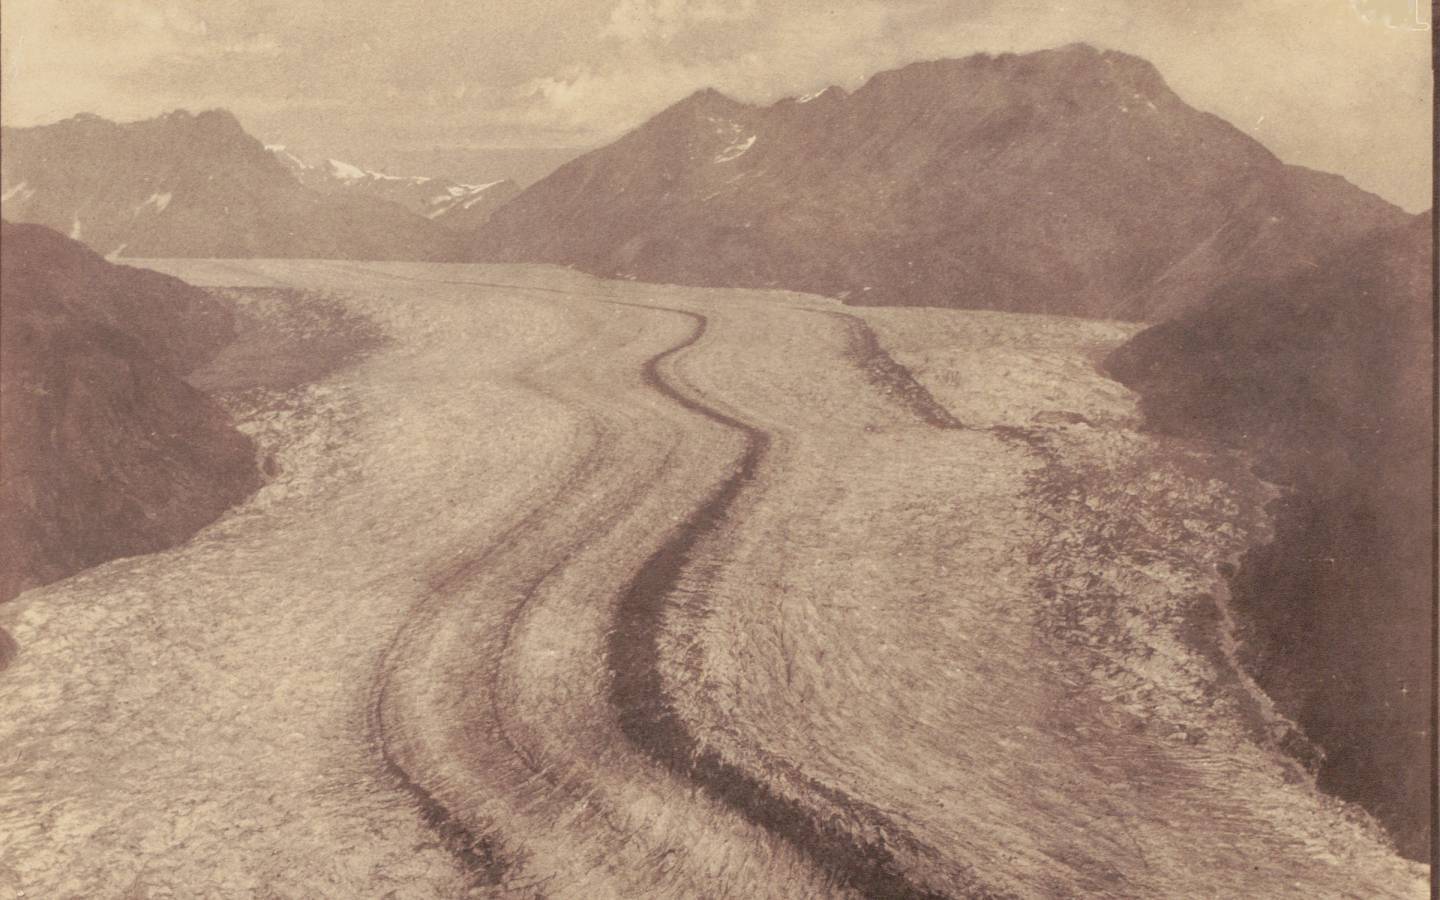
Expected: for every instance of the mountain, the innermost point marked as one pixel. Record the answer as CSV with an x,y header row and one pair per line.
x,y
107,451
193,185
1068,181
1326,376
448,203
469,206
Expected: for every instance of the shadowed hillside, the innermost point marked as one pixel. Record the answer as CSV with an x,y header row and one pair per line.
x,y
107,451
1327,375
1069,181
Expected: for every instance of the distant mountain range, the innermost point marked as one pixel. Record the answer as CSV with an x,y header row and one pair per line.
x,y
1325,375
108,451
1066,181
457,206
1069,181
195,185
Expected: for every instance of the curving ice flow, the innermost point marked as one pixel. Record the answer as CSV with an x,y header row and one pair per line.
x,y
573,588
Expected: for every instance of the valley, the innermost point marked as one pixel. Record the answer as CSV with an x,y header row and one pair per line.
x,y
566,587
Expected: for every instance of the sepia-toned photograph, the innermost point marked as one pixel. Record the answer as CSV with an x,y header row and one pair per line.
x,y
627,449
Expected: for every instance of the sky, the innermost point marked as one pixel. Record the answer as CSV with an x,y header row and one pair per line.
x,y
1339,85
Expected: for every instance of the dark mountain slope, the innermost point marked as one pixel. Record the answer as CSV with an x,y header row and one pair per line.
x,y
1327,376
107,452
1070,181
194,185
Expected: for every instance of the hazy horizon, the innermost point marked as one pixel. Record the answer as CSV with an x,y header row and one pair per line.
x,y
1329,84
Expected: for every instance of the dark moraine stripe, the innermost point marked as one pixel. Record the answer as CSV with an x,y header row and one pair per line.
x,y
648,717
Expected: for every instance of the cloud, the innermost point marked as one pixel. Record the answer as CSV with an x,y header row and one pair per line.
x,y
668,49
663,20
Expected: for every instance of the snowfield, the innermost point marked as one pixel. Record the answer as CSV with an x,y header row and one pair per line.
x,y
575,588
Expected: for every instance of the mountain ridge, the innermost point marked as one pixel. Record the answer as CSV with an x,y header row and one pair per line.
x,y
451,204
1069,181
186,184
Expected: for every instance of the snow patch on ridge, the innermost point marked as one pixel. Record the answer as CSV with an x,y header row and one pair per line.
x,y
736,150
344,170
462,196
286,157
350,173
158,200
815,95
21,190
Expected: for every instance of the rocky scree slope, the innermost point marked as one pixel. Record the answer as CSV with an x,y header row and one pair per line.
x,y
1326,376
